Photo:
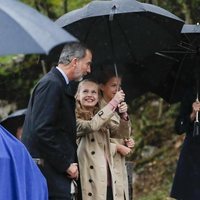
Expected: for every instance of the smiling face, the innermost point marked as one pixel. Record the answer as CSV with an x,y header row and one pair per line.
x,y
110,88
88,95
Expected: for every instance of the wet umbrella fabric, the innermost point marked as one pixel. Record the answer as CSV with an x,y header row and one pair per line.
x,y
184,71
23,30
13,121
20,178
167,73
120,31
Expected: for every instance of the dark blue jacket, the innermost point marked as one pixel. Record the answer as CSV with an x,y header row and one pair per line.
x,y
49,131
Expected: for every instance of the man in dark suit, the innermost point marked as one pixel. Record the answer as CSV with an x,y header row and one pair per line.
x,y
49,130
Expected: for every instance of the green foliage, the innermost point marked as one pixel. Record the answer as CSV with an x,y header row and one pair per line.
x,y
55,8
77,4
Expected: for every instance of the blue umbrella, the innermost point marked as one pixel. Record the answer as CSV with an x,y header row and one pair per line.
x,y
23,30
20,178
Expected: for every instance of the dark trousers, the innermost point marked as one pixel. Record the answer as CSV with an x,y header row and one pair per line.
x,y
109,193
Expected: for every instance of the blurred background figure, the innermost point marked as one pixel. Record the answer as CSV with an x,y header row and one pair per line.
x,y
186,184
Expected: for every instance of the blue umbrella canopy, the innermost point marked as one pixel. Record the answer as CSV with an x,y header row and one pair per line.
x,y
23,30
20,177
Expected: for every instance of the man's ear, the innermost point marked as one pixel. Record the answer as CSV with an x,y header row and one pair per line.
x,y
74,62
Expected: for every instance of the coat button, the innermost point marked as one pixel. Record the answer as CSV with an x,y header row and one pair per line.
x,y
89,194
100,113
93,152
91,167
90,180
92,140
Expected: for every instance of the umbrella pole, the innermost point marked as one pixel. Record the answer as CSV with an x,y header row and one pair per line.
x,y
111,18
196,130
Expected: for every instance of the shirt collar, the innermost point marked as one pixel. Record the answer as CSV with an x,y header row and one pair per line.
x,y
63,74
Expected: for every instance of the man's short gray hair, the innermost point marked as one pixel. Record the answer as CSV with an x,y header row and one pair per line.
x,y
72,50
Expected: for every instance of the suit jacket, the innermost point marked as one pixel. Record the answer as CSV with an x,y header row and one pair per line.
x,y
49,131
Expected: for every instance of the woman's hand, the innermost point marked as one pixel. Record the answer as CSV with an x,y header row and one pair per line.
x,y
122,107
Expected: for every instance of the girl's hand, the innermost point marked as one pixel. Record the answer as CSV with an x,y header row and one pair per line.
x,y
123,150
129,142
122,107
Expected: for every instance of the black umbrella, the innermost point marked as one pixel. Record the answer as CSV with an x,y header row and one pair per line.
x,y
24,30
184,61
167,73
14,121
146,76
121,31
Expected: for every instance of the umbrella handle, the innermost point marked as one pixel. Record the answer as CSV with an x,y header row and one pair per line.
x,y
197,117
197,113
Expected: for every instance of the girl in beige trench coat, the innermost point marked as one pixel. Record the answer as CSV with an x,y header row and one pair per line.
x,y
93,132
109,85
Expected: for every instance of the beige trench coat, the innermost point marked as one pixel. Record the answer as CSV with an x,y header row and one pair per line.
x,y
119,168
120,173
93,148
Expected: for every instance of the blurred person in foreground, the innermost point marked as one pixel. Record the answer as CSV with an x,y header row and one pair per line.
x,y
49,130
20,178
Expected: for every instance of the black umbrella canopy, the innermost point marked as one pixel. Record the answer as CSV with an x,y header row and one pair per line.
x,y
120,31
147,76
13,121
185,68
167,73
23,30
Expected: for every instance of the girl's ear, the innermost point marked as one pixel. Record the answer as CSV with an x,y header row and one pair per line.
x,y
77,96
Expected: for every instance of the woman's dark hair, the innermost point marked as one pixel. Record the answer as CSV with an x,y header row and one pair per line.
x,y
107,72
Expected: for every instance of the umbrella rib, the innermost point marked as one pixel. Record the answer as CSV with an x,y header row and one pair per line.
x,y
186,46
166,56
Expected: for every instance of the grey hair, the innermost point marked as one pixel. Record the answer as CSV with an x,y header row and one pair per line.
x,y
72,50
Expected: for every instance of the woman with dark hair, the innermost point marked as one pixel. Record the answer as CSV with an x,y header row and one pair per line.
x,y
109,85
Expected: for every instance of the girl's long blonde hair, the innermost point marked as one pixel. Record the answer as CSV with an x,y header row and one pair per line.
x,y
80,112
